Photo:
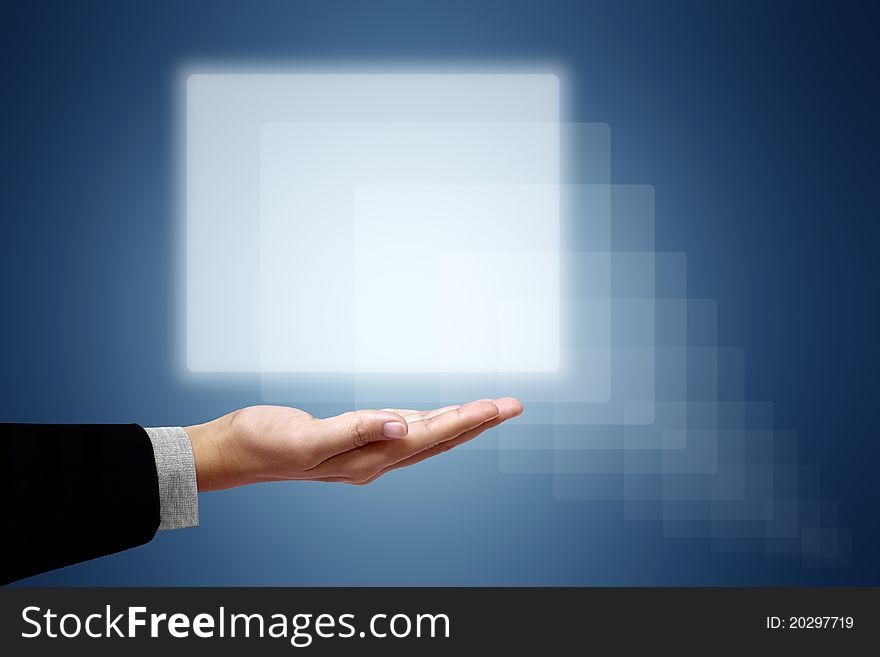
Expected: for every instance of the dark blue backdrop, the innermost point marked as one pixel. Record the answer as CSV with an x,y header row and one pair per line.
x,y
756,122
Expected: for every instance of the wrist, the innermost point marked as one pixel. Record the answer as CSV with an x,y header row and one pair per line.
x,y
214,454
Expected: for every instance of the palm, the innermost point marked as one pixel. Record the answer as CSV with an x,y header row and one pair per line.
x,y
270,443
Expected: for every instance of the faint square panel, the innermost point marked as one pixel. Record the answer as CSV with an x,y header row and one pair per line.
x,y
409,247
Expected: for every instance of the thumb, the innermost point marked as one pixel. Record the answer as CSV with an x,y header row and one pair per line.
x,y
358,428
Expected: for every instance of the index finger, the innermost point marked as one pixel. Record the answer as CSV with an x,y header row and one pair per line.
x,y
412,414
432,430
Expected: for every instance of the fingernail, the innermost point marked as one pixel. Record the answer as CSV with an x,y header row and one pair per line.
x,y
394,430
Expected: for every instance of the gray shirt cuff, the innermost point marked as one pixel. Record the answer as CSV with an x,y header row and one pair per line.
x,y
176,467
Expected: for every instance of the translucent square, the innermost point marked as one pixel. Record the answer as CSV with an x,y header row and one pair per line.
x,y
398,271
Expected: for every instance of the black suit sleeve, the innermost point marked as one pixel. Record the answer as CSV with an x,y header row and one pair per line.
x,y
73,493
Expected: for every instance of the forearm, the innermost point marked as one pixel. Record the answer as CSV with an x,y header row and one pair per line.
x,y
73,493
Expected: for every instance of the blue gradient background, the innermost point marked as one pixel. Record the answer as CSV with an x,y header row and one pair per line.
x,y
756,123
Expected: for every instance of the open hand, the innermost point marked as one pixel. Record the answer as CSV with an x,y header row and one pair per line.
x,y
273,443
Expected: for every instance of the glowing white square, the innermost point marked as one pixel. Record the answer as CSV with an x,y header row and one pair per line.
x,y
321,208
